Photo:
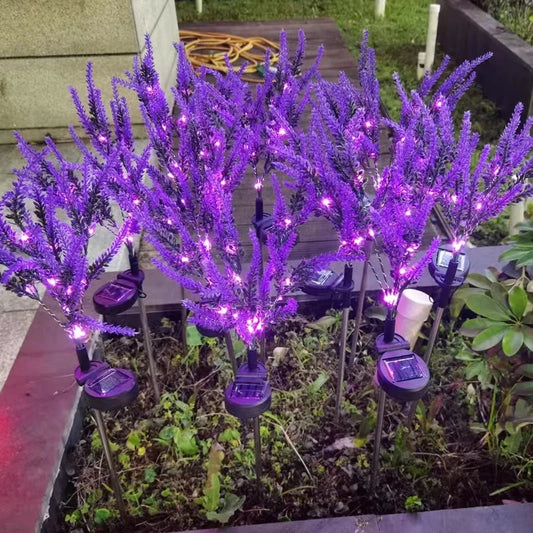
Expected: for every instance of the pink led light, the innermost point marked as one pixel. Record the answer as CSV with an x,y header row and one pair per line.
x,y
222,311
258,186
285,86
174,164
479,205
368,124
169,221
454,198
390,297
358,240
217,144
77,332
457,245
412,248
207,243
371,232
149,89
164,127
24,237
408,213
237,278
496,170
183,119
326,202
92,231
223,182
403,271
282,132
184,259
102,138
287,281
287,222
235,315
231,248
170,175
52,282
129,238
202,153
439,103
136,201
69,290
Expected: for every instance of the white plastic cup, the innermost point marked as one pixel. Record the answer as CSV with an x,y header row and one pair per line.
x,y
413,310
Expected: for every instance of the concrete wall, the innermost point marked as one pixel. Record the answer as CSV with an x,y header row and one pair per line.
x,y
46,45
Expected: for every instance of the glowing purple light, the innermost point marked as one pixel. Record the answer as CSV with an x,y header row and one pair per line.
x,y
403,271
368,124
92,231
183,119
77,333
408,213
52,282
102,138
129,238
478,206
358,240
457,245
184,259
149,89
136,201
390,297
454,198
287,222
258,185
217,144
231,248
69,290
169,221
170,175
207,243
24,237
222,310
287,281
282,132
371,232
326,202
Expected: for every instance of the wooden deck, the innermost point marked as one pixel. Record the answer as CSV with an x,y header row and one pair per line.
x,y
317,235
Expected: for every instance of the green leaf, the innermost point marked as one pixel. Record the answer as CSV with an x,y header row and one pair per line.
x,y
479,280
474,326
518,301
512,341
525,370
133,440
376,311
487,307
212,493
525,388
101,515
149,475
319,382
488,338
232,503
323,323
459,299
525,260
528,337
193,336
185,441
499,292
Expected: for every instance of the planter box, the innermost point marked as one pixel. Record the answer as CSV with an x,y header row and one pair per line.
x,y
465,32
41,415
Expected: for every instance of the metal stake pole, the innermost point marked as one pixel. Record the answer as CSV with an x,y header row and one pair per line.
x,y
231,351
148,347
257,443
117,490
342,358
377,439
359,310
183,318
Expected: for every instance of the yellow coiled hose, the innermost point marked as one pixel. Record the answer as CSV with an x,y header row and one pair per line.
x,y
209,49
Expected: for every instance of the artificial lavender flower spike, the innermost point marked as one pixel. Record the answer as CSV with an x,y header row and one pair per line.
x,y
501,176
38,248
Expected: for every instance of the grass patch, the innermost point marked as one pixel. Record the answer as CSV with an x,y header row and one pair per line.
x,y
397,40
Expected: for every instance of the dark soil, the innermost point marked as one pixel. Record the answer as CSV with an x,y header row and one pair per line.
x,y
441,461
